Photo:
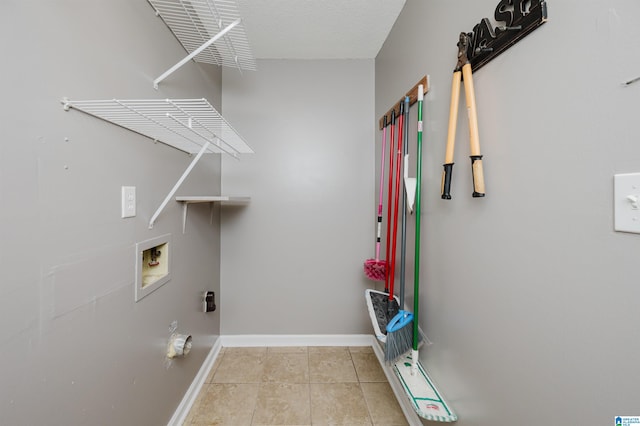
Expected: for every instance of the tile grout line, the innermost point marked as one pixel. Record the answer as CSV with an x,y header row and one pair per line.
x,y
309,386
309,382
261,384
360,386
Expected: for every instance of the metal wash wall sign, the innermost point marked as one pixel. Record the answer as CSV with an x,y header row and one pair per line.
x,y
515,18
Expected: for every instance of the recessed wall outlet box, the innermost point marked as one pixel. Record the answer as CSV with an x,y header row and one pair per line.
x,y
626,202
209,301
128,201
153,265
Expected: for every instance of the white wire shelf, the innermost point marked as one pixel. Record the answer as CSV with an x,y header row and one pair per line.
x,y
211,31
190,125
185,124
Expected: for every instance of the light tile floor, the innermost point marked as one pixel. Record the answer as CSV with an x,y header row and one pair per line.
x,y
296,386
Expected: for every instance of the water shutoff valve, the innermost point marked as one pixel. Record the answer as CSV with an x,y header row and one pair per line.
x,y
209,302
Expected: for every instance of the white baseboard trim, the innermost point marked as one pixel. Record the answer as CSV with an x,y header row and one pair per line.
x,y
189,398
245,340
181,413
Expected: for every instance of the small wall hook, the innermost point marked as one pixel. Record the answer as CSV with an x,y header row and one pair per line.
x,y
633,80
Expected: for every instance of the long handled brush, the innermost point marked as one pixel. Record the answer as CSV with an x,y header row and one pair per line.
x,y
376,269
381,308
389,198
401,335
391,309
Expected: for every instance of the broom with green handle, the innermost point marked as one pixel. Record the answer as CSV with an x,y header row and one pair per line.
x,y
426,399
416,262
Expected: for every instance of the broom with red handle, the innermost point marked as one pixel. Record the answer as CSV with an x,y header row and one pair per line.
x,y
392,268
376,269
382,306
389,198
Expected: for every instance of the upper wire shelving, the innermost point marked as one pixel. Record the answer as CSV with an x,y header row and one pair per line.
x,y
190,125
185,124
211,31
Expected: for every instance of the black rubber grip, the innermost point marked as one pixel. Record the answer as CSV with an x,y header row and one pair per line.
x,y
446,181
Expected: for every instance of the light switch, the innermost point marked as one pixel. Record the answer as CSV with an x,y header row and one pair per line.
x,y
128,201
626,202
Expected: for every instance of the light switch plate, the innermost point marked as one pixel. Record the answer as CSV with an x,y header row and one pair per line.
x,y
626,202
128,201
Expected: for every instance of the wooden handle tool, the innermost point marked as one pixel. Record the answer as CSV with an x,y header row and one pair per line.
x,y
474,138
445,187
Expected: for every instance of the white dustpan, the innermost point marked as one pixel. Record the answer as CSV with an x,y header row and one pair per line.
x,y
409,185
374,297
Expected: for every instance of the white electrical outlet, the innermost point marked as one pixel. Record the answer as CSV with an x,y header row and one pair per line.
x,y
626,202
128,201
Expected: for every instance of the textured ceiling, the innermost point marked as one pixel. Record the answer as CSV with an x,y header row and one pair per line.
x,y
318,29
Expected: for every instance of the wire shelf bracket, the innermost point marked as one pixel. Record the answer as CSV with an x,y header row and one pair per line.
x,y
211,31
189,125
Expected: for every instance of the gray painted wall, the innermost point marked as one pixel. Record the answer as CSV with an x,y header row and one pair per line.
x,y
74,347
292,259
528,295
